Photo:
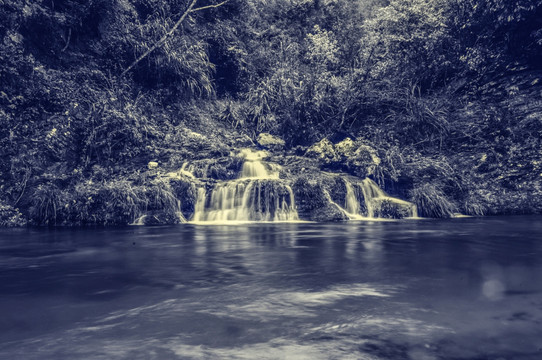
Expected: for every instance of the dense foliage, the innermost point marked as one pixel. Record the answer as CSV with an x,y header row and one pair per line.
x,y
448,92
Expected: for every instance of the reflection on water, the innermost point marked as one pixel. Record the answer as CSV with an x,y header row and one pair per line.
x,y
455,289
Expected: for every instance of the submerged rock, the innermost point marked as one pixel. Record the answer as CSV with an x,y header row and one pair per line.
x,y
160,218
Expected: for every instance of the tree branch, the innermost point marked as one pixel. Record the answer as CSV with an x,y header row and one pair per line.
x,y
162,40
210,6
170,32
67,41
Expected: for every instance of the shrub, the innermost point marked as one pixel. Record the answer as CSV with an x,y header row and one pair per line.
x,y
10,217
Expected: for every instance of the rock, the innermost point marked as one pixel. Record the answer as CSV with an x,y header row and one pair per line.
x,y
152,165
350,156
312,202
270,141
240,141
329,212
323,150
186,191
363,161
345,148
160,218
390,208
193,145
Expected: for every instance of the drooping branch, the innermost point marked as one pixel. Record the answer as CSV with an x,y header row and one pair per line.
x,y
170,32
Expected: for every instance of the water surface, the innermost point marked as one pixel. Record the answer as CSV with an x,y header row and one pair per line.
x,y
427,289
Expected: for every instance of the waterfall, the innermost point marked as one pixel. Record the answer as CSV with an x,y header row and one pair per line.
x,y
366,200
352,201
257,195
371,192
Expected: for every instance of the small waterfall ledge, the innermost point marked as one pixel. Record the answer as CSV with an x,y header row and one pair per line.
x,y
255,192
257,195
366,200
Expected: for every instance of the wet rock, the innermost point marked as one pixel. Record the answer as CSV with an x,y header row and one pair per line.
x,y
312,202
329,212
392,209
193,145
186,191
240,141
160,218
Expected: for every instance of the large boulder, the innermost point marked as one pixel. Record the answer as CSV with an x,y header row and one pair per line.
x,y
313,203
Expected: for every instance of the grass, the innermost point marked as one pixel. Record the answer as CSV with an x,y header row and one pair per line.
x,y
432,202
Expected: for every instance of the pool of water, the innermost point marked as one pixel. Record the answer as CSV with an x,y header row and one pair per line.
x,y
468,288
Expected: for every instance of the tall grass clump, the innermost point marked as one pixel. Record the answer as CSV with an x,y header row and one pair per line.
x,y
45,207
432,202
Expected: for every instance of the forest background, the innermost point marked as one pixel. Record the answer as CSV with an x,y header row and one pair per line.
x,y
448,92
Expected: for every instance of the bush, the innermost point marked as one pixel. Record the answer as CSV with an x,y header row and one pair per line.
x,y
10,217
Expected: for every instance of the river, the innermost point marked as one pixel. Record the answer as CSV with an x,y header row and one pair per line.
x,y
467,288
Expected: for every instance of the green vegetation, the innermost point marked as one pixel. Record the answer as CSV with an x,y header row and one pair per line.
x,y
447,93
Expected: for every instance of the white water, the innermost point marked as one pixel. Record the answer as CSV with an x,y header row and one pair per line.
x,y
257,195
372,197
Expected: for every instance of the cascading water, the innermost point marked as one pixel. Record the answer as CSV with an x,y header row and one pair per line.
x,y
257,195
366,200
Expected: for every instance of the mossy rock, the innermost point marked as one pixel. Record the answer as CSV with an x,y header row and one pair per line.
x,y
363,161
329,212
390,209
323,150
187,193
353,157
312,202
270,142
